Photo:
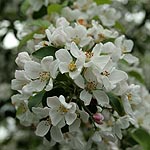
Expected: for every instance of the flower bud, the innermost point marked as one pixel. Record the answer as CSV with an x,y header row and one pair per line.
x,y
22,58
98,118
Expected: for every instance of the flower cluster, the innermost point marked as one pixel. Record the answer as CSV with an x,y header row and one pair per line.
x,y
72,84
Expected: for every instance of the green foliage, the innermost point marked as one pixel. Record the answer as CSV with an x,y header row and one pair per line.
x,y
34,101
116,104
142,137
54,8
45,51
24,40
40,23
100,2
137,76
24,7
119,26
38,14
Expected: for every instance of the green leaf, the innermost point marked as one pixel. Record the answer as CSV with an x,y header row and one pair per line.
x,y
54,8
116,104
137,76
45,51
26,38
35,100
100,2
142,137
25,5
40,23
119,26
38,14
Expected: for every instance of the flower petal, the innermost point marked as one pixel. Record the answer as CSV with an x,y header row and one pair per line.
x,y
53,102
56,134
42,128
32,69
63,56
86,97
101,97
70,118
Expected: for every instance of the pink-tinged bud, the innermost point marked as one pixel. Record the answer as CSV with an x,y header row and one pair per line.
x,y
98,118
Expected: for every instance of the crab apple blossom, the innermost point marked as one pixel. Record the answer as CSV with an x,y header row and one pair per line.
x,y
79,87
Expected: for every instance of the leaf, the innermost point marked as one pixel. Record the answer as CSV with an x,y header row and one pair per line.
x,y
54,8
45,51
35,100
38,14
119,26
40,23
142,137
137,76
25,39
116,104
25,5
100,2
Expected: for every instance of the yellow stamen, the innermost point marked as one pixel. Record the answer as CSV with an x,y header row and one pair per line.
x,y
105,73
88,55
44,76
72,66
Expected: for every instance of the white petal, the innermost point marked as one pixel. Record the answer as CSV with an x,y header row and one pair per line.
x,y
117,76
20,75
55,116
17,84
42,128
63,67
37,85
74,74
70,118
86,97
107,84
101,97
97,137
53,68
75,125
45,62
32,69
56,134
84,116
49,86
63,102
53,102
127,106
128,44
97,49
63,55
41,112
79,81
130,58
75,50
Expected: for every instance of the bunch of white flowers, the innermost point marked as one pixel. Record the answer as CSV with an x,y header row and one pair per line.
x,y
71,88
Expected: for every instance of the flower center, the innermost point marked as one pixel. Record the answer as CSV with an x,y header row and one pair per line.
x,y
44,43
105,73
88,55
101,37
124,50
63,109
72,66
76,40
90,86
44,76
82,22
129,96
